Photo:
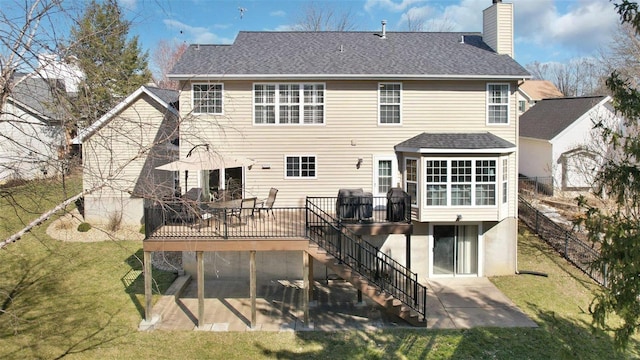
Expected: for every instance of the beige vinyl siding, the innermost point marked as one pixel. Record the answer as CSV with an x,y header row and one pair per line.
x,y
121,157
351,131
498,28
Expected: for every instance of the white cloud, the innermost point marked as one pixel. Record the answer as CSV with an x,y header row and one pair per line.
x,y
390,4
128,4
583,25
278,13
198,34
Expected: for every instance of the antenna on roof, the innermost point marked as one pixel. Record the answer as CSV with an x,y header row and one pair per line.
x,y
242,10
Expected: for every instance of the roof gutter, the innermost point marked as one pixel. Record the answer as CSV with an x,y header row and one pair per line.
x,y
455,151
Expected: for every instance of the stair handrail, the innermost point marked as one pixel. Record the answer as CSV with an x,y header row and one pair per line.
x,y
364,258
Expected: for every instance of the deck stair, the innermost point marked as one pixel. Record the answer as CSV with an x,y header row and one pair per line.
x,y
374,273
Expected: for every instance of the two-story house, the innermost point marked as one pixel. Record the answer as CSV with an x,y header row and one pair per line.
x,y
434,114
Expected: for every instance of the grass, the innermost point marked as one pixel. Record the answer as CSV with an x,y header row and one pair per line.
x,y
84,301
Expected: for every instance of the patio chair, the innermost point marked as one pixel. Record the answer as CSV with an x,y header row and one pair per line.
x,y
267,204
246,211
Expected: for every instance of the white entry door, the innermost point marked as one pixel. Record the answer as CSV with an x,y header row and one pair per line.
x,y
385,169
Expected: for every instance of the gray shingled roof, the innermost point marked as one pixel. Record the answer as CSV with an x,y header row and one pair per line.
x,y
348,54
36,93
549,117
454,141
167,95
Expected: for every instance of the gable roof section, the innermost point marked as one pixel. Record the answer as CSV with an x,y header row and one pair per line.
x,y
323,55
551,116
35,95
456,143
539,89
164,97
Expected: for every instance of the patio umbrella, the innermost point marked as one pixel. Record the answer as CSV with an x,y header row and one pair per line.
x,y
206,161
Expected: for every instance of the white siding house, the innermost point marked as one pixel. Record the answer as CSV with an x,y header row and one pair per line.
x,y
558,140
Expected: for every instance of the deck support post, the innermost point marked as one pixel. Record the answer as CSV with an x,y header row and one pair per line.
x,y
408,250
148,300
200,275
305,285
253,286
311,282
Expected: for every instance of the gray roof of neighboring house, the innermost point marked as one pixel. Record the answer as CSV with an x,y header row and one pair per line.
x,y
167,95
349,54
37,94
549,117
454,141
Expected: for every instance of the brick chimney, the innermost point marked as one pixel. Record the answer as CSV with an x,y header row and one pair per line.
x,y
497,27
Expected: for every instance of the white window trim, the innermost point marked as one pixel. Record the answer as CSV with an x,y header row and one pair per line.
x,y
301,105
193,105
300,177
488,104
504,180
497,183
399,107
417,160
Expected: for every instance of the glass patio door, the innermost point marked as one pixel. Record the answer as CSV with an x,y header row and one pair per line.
x,y
455,250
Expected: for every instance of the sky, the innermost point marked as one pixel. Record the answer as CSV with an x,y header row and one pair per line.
x,y
545,30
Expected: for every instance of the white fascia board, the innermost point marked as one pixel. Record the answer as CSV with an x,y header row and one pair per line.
x,y
456,151
586,116
93,128
343,77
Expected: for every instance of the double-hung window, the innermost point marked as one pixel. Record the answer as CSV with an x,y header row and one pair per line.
x,y
288,103
207,98
389,99
411,179
461,182
436,176
485,182
498,103
300,167
505,178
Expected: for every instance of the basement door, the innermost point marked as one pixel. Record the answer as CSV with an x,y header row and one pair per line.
x,y
455,250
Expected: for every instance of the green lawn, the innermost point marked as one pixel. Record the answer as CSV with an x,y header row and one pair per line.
x,y
83,300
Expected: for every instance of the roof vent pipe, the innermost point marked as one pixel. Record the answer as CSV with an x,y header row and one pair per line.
x,y
461,39
384,29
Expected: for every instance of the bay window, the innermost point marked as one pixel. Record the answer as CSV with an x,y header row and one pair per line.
x,y
460,182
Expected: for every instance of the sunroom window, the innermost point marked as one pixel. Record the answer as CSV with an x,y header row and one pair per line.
x,y
461,182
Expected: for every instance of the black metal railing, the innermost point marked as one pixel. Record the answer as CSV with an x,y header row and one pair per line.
x,y
576,251
367,260
366,209
537,185
175,220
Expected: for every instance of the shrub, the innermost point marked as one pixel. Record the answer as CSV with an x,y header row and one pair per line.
x,y
84,227
142,229
115,219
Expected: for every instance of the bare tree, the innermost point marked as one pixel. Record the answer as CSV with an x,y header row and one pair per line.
x,y
578,77
622,54
320,17
164,58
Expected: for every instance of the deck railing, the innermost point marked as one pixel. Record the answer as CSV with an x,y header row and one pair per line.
x,y
366,209
367,260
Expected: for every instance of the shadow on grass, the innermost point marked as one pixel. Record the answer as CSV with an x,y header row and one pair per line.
x,y
133,280
556,338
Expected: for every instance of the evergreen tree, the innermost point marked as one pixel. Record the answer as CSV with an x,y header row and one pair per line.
x,y
614,229
114,66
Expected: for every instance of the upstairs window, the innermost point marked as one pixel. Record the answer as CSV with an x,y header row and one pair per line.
x,y
498,103
389,99
288,103
207,98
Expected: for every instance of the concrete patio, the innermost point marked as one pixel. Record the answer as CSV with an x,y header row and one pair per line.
x,y
452,304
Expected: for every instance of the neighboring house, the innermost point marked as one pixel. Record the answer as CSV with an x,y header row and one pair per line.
x,y
432,113
532,91
120,152
31,130
558,140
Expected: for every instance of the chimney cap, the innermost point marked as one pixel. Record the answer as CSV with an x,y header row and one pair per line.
x,y
497,1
